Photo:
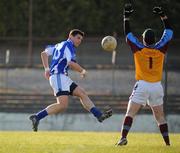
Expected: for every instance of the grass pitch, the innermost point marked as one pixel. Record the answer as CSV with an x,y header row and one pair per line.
x,y
84,142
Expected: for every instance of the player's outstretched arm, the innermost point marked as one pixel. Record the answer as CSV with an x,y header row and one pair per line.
x,y
128,10
76,67
168,32
159,11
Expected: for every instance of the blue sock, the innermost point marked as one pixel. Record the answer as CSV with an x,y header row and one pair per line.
x,y
96,112
41,114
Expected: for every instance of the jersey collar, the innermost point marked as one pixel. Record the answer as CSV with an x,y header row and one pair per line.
x,y
149,46
70,41
71,44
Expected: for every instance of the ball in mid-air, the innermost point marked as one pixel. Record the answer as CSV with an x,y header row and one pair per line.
x,y
109,43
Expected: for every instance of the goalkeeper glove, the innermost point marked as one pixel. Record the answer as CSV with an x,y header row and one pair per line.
x,y
128,10
158,10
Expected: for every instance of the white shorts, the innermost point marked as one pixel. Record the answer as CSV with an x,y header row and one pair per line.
x,y
147,92
61,84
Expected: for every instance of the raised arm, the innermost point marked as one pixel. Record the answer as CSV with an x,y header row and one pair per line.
x,y
158,10
132,41
128,10
168,32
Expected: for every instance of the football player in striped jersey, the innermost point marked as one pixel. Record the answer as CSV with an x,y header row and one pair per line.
x,y
64,57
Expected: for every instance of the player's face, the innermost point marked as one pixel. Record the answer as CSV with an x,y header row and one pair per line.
x,y
77,40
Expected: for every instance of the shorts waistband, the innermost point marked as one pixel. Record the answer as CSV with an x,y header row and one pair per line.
x,y
159,82
59,74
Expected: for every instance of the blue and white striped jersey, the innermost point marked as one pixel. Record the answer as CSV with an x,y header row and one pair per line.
x,y
61,53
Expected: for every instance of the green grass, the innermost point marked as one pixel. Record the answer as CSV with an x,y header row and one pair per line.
x,y
84,142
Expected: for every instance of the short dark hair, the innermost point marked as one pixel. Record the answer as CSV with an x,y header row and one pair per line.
x,y
149,36
74,32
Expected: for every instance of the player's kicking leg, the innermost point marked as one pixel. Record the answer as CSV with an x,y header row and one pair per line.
x,y
89,105
105,114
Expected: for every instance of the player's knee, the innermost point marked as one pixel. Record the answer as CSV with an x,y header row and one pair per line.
x,y
64,106
160,119
61,107
159,116
131,113
82,94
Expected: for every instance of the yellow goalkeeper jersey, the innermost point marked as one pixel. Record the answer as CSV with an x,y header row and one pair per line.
x,y
149,59
149,65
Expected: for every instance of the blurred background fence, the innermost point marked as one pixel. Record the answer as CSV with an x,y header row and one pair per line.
x,y
89,54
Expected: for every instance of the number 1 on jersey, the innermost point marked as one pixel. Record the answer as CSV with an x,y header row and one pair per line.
x,y
150,62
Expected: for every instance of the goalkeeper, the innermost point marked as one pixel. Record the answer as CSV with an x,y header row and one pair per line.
x,y
149,57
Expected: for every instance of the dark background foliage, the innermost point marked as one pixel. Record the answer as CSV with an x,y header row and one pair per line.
x,y
54,18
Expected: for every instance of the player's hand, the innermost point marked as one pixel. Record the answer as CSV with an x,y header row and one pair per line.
x,y
128,10
83,73
47,74
158,10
